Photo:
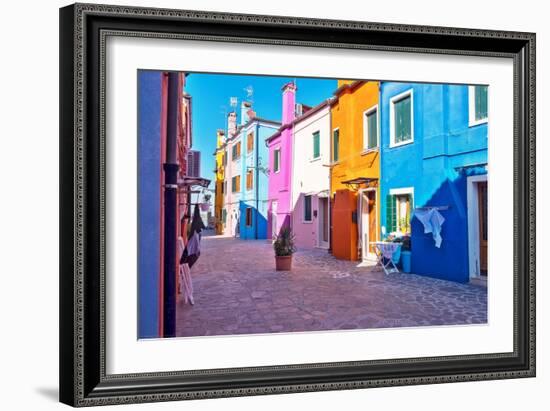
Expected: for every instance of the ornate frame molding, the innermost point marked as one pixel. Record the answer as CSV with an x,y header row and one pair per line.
x,y
82,336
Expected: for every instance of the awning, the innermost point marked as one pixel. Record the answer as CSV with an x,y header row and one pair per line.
x,y
470,167
320,194
193,181
356,182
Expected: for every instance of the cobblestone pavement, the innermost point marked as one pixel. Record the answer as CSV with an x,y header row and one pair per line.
x,y
238,291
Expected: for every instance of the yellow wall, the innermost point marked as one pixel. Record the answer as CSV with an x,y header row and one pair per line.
x,y
347,114
218,198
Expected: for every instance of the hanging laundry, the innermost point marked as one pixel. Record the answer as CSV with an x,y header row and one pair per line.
x,y
190,254
185,282
432,220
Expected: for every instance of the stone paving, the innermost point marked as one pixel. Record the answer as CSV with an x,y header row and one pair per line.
x,y
238,291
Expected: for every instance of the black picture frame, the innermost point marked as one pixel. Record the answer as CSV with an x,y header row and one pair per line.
x,y
83,29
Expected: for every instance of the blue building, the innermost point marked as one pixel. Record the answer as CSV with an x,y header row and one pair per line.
x,y
149,177
249,174
434,154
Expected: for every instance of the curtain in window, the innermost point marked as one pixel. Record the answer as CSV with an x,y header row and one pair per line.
x,y
402,113
372,129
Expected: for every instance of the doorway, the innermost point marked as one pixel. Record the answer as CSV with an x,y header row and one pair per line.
x,y
274,231
323,240
478,224
482,224
368,223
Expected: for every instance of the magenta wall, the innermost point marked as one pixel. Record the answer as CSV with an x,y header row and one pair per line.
x,y
280,182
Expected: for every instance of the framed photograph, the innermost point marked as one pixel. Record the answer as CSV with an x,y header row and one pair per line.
x,y
261,204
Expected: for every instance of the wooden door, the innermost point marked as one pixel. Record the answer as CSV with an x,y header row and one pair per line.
x,y
482,216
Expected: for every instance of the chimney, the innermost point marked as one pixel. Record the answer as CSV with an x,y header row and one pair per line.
x,y
220,137
231,124
245,107
289,101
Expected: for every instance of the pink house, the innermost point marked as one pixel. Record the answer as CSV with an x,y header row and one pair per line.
x,y
280,166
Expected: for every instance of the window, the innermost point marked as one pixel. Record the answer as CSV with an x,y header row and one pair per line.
x,y
250,143
224,190
370,129
478,104
398,213
224,215
236,184
236,151
223,187
249,216
249,180
277,160
316,145
335,145
307,208
224,158
401,127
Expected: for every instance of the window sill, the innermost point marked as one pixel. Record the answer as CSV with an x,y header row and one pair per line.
x,y
474,123
369,151
313,160
403,143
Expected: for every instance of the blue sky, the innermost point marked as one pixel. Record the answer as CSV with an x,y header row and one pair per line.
x,y
210,104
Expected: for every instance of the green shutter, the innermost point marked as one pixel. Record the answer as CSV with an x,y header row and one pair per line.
x,y
481,102
391,223
372,129
316,145
335,145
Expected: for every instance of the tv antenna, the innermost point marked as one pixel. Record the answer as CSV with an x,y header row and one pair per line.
x,y
249,93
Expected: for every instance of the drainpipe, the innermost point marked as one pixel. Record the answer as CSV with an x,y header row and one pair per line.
x,y
170,205
257,179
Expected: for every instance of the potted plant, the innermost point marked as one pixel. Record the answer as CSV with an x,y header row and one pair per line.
x,y
283,245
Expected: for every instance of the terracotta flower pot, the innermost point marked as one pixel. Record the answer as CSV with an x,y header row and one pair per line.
x,y
283,263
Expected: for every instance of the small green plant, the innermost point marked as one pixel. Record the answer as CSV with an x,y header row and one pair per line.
x,y
284,243
405,242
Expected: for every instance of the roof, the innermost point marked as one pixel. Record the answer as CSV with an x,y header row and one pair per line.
x,y
249,122
304,116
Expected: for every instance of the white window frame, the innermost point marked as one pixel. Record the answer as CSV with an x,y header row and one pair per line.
x,y
472,107
311,209
277,150
399,192
366,148
393,100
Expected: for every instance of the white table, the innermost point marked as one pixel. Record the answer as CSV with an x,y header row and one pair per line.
x,y
384,252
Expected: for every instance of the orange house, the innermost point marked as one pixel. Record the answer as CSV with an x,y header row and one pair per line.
x,y
355,170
